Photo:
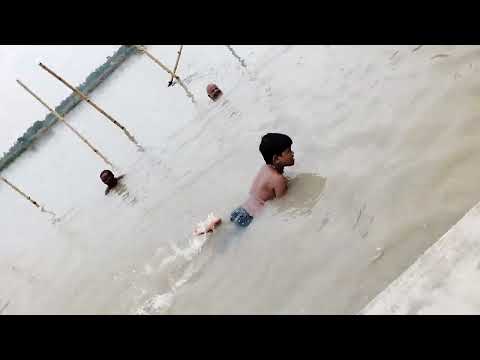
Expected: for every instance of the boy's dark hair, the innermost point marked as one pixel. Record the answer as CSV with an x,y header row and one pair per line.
x,y
104,172
274,144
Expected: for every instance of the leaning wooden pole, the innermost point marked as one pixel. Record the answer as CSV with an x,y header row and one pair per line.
x,y
36,204
95,106
61,118
17,190
159,63
242,62
176,65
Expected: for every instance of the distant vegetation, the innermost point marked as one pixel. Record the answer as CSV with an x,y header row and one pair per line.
x,y
40,127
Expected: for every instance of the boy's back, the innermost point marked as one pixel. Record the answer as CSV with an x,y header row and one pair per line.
x,y
267,185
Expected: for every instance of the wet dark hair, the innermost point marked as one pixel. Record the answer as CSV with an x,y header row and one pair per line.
x,y
105,172
274,144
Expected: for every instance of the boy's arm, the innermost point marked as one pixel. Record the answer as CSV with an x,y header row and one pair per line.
x,y
120,177
280,186
107,190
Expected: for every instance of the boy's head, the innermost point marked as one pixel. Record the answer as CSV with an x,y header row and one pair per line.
x,y
108,178
213,91
276,149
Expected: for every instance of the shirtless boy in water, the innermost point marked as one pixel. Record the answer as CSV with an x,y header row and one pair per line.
x,y
269,183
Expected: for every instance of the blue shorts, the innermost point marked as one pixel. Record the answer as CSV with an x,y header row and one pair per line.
x,y
241,217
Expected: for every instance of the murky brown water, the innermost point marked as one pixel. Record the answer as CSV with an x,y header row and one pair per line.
x,y
386,153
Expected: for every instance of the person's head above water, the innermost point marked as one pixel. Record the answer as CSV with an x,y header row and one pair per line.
x,y
276,149
108,178
213,92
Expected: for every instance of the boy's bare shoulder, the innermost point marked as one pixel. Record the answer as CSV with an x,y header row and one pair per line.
x,y
276,178
279,178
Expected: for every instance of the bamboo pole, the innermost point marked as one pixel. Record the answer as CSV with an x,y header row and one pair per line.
x,y
170,83
20,192
61,118
242,62
4,307
95,106
17,190
159,63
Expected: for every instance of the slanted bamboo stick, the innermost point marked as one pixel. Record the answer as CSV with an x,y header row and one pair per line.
x,y
95,106
242,62
36,204
176,65
61,118
4,307
159,63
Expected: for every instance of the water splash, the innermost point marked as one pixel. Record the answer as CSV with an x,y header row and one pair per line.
x,y
161,303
